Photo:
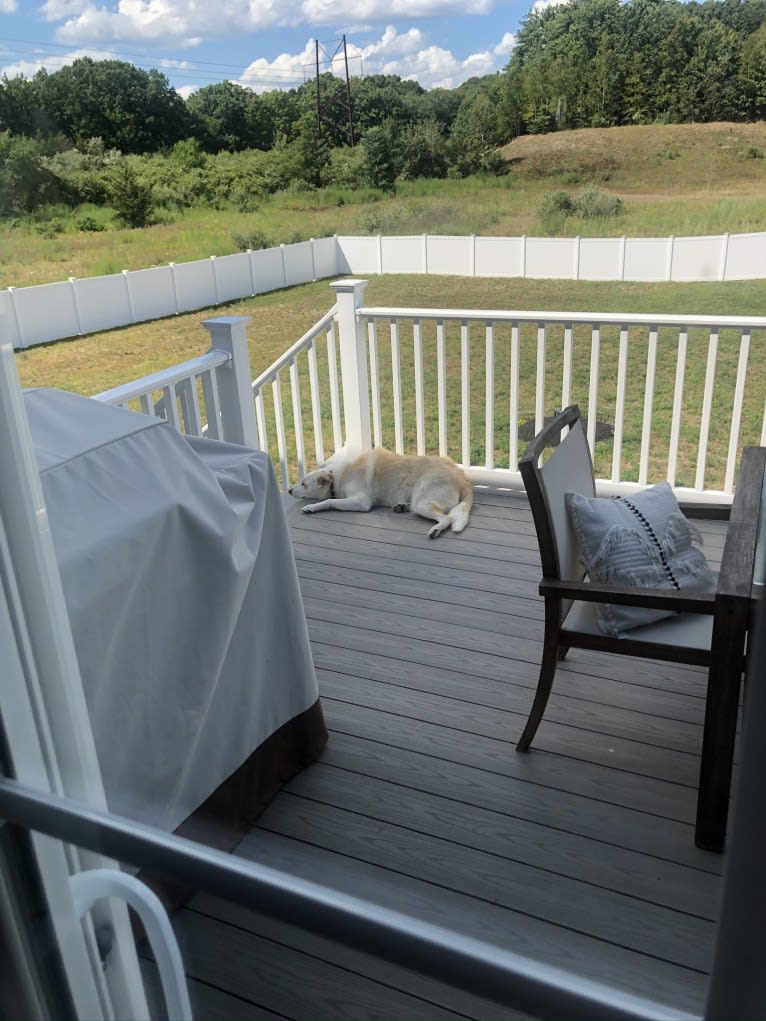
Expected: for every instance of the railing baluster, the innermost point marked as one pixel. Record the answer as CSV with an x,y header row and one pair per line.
x,y
187,395
169,405
332,365
295,392
279,425
212,405
396,382
441,385
566,381
736,412
646,429
678,400
316,402
417,344
540,378
489,409
513,438
619,408
145,400
260,418
595,368
465,375
372,343
707,405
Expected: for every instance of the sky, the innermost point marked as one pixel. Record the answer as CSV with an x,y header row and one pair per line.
x,y
265,44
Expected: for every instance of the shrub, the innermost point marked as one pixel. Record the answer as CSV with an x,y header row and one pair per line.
x,y
131,197
89,225
753,152
251,240
593,203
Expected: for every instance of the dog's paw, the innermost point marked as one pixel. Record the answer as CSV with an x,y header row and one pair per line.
x,y
400,508
309,508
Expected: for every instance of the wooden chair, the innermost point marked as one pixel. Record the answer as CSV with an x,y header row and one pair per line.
x,y
706,629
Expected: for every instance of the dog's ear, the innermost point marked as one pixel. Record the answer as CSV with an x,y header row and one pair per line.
x,y
325,478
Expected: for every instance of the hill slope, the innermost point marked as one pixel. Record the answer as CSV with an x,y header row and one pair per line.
x,y
667,159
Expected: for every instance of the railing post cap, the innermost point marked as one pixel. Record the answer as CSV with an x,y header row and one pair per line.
x,y
341,286
226,320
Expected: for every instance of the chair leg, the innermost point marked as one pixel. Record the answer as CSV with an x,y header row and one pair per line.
x,y
544,685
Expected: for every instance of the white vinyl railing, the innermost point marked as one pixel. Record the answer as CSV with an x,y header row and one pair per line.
x,y
305,359
664,396
208,395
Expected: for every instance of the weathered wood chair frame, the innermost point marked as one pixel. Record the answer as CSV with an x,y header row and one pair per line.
x,y
706,630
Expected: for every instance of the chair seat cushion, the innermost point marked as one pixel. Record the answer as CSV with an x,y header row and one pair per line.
x,y
642,540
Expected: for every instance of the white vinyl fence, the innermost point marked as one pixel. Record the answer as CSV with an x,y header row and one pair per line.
x,y
75,307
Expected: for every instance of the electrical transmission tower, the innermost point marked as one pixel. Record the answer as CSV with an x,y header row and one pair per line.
x,y
329,117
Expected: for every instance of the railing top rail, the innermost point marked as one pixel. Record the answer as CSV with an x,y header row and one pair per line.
x,y
601,318
296,349
166,377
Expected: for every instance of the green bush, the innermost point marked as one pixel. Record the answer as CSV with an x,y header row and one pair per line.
x,y
753,152
251,240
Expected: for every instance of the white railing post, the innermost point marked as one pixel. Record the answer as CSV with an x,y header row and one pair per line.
x,y
228,333
353,363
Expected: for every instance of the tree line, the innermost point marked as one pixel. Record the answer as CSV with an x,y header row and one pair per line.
x,y
601,63
106,131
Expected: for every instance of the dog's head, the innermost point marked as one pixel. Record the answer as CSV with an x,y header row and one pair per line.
x,y
317,485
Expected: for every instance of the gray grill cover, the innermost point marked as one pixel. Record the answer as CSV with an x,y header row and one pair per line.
x,y
183,597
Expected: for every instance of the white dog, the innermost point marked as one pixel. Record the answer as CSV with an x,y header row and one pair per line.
x,y
430,486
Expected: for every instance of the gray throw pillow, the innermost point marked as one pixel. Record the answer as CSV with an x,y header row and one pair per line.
x,y
642,540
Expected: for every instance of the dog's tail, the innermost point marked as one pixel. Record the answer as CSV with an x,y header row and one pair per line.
x,y
459,514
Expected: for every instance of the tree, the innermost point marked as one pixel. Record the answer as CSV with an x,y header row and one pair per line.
x,y
378,156
752,75
25,181
131,110
228,117
423,151
131,197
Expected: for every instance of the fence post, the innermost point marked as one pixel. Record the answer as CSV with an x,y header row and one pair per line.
x,y
238,425
353,363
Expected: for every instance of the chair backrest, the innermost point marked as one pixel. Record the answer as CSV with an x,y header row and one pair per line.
x,y
568,467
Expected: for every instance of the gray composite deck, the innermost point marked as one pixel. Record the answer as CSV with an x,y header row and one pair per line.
x,y
580,853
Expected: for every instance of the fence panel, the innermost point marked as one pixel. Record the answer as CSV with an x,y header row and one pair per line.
x,y
600,259
326,257
745,257
299,263
696,258
499,257
45,313
450,256
233,277
357,255
550,258
152,293
195,284
268,270
403,254
646,259
102,303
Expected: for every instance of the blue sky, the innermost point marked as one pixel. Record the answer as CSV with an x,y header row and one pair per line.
x,y
264,43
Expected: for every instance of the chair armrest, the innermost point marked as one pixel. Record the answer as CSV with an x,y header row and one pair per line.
x,y
649,598
735,578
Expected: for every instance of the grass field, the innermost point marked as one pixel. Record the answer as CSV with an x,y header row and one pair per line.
x,y
678,180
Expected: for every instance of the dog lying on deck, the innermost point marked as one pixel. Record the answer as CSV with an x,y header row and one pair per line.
x,y
430,486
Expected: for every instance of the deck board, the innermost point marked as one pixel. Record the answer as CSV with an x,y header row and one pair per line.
x,y
580,853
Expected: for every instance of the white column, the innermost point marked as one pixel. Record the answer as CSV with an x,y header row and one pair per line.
x,y
353,363
229,333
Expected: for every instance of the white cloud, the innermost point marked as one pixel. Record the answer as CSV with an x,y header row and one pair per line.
x,y
187,22
8,6
540,5
406,54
